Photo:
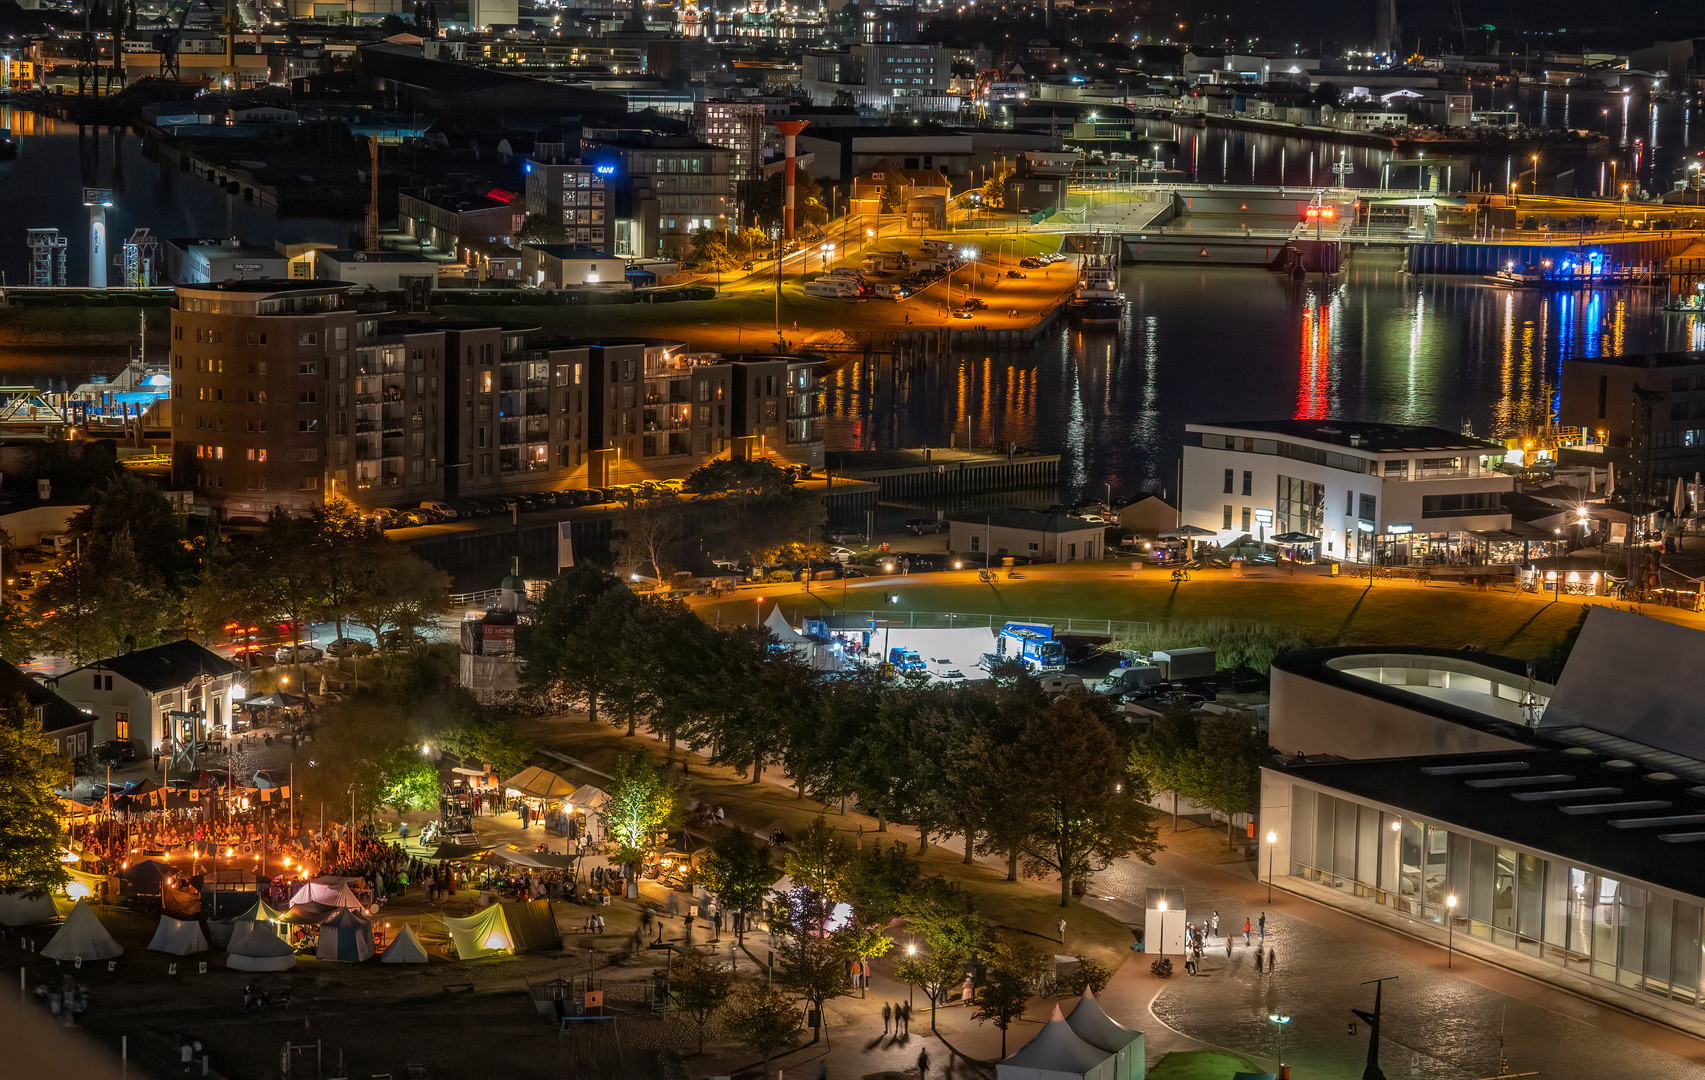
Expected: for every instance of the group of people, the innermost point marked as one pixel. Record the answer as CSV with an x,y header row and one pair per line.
x,y
1196,941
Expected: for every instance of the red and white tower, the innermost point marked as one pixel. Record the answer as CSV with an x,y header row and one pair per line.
x,y
790,130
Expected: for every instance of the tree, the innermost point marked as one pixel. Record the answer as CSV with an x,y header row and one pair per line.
x,y
30,771
287,562
819,860
815,962
808,207
1164,757
567,649
390,588
643,799
737,869
763,1020
896,189
709,249
994,198
700,987
105,601
1010,968
411,786
935,973
1231,750
17,632
537,229
1088,812
649,529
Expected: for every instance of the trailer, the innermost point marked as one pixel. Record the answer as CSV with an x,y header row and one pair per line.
x,y
1177,665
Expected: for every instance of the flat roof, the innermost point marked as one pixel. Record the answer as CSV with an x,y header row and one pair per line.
x,y
1376,437
1318,665
273,285
1571,802
1032,520
350,255
1645,360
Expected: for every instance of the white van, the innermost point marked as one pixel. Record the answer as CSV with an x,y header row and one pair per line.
x,y
938,247
832,286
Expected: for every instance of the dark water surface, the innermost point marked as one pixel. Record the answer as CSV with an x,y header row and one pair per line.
x,y
1228,344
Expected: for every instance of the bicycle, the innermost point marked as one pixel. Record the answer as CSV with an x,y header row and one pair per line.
x,y
1181,575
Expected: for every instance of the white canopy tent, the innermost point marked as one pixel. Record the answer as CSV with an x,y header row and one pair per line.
x,y
405,948
1091,1023
179,937
539,784
1058,1053
82,937
330,891
260,952
593,798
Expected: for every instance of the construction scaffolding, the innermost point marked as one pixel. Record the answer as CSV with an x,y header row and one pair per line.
x,y
139,253
47,258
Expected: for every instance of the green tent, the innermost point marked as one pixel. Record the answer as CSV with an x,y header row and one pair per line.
x,y
485,933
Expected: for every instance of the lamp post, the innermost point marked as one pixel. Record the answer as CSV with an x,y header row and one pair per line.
x,y
1272,856
1450,930
911,953
1163,928
1279,1020
1397,861
758,616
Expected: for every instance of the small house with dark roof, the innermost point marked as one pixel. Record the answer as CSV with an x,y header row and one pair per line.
x,y
985,537
70,729
128,697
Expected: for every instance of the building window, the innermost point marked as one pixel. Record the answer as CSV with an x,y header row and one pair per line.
x,y
308,339
1367,507
308,367
1246,519
307,397
1227,524
1462,504
103,682
309,483
1228,473
121,726
307,425
1248,482
976,542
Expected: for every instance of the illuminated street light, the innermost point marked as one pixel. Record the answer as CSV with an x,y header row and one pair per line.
x,y
1272,854
1450,929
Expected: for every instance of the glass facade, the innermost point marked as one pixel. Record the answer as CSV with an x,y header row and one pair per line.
x,y
1618,931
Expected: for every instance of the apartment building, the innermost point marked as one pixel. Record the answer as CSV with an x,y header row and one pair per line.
x,y
740,127
520,422
575,200
1644,408
1400,493
881,75
667,188
778,409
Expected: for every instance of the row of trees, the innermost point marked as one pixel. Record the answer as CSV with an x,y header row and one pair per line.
x,y
743,508
141,574
1044,784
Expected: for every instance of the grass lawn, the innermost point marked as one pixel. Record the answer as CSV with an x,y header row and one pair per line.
x,y
1030,907
1199,1065
1323,610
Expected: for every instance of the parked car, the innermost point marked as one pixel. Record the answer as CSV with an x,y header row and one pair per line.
x,y
919,526
264,779
400,639
1017,274
115,751
297,654
963,313
841,555
977,303
1030,262
347,646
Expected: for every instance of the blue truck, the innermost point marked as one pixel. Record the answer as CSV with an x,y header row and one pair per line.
x,y
907,661
1033,645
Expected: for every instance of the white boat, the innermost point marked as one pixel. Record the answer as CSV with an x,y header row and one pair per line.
x,y
1098,299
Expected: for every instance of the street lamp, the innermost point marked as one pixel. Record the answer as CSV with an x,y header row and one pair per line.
x,y
911,953
1272,855
1450,929
1162,928
1280,1020
758,616
1397,860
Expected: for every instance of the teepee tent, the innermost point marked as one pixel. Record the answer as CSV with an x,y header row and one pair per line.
x,y
180,937
483,934
405,948
22,909
260,914
82,937
347,937
1057,1053
260,952
1092,1024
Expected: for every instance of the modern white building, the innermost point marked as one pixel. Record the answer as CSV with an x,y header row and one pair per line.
x,y
1552,830
1409,494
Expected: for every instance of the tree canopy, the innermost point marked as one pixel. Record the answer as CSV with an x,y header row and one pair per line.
x,y
30,771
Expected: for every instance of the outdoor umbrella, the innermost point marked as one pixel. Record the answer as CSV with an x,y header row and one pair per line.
x,y
1188,534
1295,538
273,701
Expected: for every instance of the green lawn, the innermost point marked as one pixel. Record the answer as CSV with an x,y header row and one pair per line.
x,y
1200,1065
1324,611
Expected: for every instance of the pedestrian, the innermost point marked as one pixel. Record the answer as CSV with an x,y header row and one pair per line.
x,y
906,1015
1257,961
1262,923
1228,946
1062,926
923,1064
687,921
1246,933
1189,963
1271,960
887,1015
823,1068
1215,931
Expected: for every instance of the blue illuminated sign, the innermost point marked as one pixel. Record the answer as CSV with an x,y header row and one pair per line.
x,y
529,167
606,170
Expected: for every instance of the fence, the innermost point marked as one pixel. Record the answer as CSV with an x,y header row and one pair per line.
x,y
955,620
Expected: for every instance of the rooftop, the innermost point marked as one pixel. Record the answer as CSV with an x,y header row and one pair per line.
x,y
164,667
350,255
1379,438
1032,520
1361,669
1646,360
1572,802
262,285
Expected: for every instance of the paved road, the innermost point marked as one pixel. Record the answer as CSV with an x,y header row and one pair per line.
x,y
1438,1023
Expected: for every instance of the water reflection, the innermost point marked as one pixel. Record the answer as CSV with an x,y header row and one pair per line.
x,y
1242,344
